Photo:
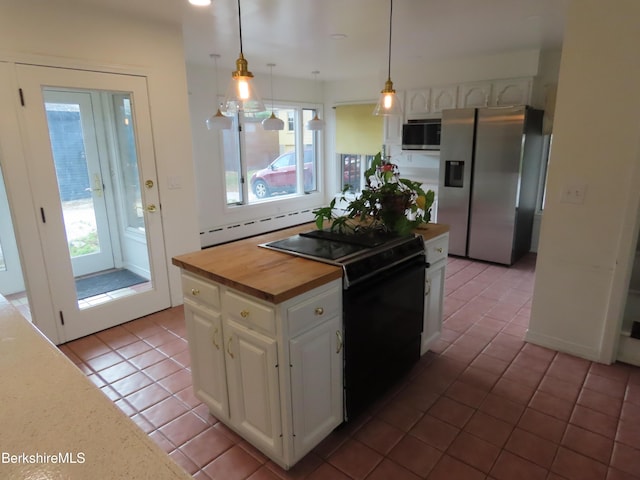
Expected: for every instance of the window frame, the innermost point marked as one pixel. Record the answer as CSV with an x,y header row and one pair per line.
x,y
238,132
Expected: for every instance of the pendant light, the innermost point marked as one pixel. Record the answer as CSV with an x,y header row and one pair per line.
x,y
315,123
388,103
273,122
242,95
218,121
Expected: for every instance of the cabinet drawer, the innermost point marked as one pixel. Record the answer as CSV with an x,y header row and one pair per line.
x,y
249,312
200,290
437,249
313,311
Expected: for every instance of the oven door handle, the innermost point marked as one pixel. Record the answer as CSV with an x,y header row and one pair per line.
x,y
340,342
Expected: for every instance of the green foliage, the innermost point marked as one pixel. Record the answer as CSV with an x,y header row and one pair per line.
x,y
84,245
387,202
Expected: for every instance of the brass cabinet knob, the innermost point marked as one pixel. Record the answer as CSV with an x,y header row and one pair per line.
x,y
151,208
148,184
439,249
319,311
244,313
195,292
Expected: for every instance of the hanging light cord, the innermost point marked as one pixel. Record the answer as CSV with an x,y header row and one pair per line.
x,y
390,23
240,26
271,75
215,64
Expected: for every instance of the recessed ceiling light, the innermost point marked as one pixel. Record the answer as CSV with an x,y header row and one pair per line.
x,y
200,3
338,36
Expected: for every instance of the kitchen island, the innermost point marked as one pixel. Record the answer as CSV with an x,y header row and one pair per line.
x,y
57,424
265,337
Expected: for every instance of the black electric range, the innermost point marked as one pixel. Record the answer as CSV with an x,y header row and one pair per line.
x,y
382,306
361,254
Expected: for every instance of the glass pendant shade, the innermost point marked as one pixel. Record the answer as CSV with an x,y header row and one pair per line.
x,y
388,104
219,121
315,123
242,94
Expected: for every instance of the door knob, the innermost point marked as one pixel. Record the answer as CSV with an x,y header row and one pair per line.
x,y
151,208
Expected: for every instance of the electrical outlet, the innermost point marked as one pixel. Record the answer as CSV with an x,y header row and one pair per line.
x,y
574,193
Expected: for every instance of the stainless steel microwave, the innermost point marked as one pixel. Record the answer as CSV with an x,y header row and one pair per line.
x,y
421,134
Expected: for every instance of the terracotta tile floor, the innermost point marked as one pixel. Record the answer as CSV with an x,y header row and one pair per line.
x,y
482,405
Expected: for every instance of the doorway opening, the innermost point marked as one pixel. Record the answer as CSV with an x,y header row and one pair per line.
x,y
96,166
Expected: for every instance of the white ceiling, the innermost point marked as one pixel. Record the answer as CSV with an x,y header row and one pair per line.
x,y
296,35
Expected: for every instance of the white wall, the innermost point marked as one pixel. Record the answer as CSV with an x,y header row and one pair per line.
x,y
585,249
213,214
80,36
209,166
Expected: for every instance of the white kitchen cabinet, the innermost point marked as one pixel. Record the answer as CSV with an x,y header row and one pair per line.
x,y
437,250
474,95
272,373
511,92
317,398
443,98
252,379
418,103
392,131
204,330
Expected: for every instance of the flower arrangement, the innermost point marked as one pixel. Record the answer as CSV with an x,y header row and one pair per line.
x,y
387,203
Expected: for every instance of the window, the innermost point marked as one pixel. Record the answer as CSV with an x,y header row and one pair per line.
x,y
265,165
358,139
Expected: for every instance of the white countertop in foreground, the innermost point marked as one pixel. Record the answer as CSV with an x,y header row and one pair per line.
x,y
50,412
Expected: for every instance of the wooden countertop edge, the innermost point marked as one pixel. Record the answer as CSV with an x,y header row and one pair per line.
x,y
202,263
261,294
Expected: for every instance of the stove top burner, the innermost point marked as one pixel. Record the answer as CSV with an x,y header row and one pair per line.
x,y
364,238
360,255
316,248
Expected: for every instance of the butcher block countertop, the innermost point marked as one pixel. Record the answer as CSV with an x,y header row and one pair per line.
x,y
56,424
267,274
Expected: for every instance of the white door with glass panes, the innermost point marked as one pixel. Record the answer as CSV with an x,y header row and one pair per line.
x,y
91,162
77,142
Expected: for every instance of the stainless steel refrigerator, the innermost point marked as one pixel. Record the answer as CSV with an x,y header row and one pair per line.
x,y
490,160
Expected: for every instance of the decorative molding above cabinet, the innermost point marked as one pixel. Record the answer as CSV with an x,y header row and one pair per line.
x,y
430,102
474,95
443,98
512,92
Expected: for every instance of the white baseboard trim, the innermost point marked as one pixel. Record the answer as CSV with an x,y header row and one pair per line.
x,y
249,228
560,345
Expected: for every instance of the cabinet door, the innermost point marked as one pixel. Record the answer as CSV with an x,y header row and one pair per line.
x,y
316,384
418,103
512,92
474,95
252,377
433,305
443,98
392,130
204,331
